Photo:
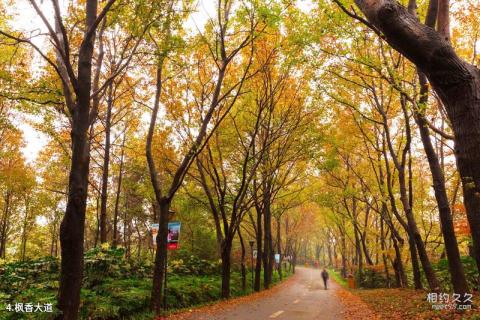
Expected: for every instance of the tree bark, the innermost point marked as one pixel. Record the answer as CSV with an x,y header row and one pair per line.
x,y
329,250
25,228
258,263
160,254
73,223
4,224
119,190
267,240
358,252
384,256
279,247
344,255
225,251
443,19
242,261
105,169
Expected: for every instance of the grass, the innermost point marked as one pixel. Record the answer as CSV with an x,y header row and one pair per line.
x,y
128,298
338,278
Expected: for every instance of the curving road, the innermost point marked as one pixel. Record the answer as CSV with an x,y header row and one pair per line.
x,y
303,298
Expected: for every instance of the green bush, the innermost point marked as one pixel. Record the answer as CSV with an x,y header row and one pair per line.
x,y
114,287
370,278
193,266
185,291
116,299
19,277
470,268
107,262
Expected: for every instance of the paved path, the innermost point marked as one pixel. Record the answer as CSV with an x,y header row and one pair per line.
x,y
303,298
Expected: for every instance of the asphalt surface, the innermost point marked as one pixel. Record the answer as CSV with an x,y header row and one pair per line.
x,y
304,298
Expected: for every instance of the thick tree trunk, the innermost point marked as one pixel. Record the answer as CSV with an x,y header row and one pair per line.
x,y
156,301
456,82
268,243
72,227
73,223
225,253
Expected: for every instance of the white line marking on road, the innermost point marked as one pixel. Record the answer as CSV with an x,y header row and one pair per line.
x,y
276,314
296,301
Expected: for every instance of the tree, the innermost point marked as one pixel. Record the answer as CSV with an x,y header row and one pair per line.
x,y
454,80
81,95
225,175
220,97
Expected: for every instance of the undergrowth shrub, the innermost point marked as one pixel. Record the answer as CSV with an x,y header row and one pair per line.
x,y
470,268
371,277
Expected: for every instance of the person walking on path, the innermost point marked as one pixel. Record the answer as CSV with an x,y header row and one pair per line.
x,y
325,278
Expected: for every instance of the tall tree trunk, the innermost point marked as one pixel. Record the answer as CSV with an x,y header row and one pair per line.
x,y
225,253
279,247
4,224
24,229
344,255
106,164
160,254
117,196
383,249
335,261
242,261
258,263
294,262
398,265
73,224
97,212
267,239
358,251
329,249
163,203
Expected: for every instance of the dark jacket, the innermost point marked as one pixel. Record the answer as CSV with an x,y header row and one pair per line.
x,y
324,274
